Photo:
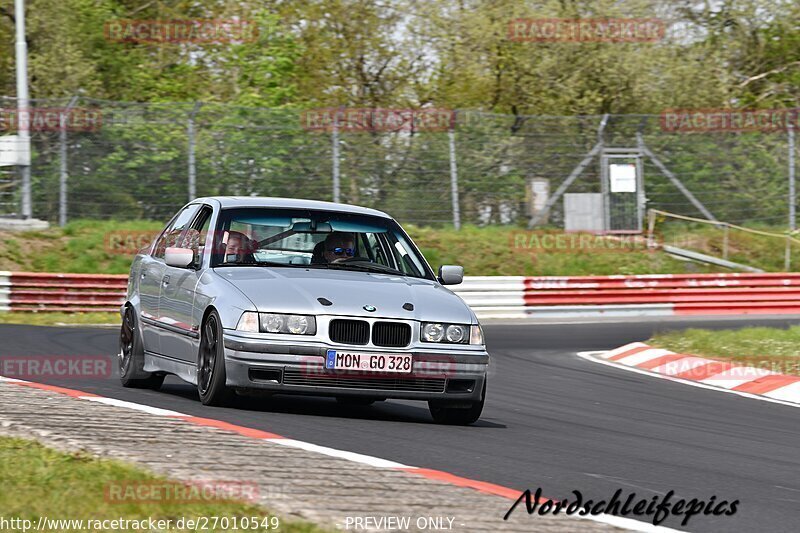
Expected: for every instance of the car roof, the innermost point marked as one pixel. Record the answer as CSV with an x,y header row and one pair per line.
x,y
291,203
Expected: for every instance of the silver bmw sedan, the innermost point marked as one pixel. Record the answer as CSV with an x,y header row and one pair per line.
x,y
300,297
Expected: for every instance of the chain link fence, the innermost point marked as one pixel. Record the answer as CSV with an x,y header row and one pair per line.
x,y
143,161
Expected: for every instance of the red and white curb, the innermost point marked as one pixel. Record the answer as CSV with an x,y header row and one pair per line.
x,y
726,376
436,475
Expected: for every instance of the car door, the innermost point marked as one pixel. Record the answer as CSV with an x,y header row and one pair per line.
x,y
151,272
178,293
155,276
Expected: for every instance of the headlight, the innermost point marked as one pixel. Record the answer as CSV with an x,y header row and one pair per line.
x,y
297,324
248,322
450,333
272,323
294,324
456,333
432,332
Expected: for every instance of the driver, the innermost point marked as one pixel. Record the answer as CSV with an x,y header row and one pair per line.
x,y
339,246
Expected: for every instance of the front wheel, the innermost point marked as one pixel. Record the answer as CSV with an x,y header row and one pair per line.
x,y
131,356
211,364
442,413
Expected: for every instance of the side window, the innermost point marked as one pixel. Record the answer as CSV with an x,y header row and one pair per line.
x,y
407,262
195,237
375,250
172,236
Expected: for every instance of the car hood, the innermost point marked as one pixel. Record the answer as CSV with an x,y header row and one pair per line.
x,y
296,290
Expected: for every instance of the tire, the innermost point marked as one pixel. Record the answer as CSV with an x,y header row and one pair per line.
x,y
131,356
457,416
211,364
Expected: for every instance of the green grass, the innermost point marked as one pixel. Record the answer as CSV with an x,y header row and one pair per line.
x,y
494,251
80,247
767,253
38,481
90,247
769,348
55,319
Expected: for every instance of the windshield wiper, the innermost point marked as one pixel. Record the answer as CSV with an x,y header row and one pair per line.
x,y
257,264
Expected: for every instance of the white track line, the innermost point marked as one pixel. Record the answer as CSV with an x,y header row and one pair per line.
x,y
629,523
613,520
341,454
135,406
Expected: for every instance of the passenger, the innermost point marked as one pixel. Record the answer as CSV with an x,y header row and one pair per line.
x,y
238,249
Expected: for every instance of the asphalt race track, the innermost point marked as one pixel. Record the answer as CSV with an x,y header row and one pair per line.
x,y
552,420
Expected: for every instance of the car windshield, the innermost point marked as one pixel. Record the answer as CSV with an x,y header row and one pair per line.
x,y
316,239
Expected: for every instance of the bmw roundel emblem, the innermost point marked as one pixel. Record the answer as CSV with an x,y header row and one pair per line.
x,y
369,308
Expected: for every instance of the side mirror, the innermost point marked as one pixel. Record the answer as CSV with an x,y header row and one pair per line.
x,y
451,274
179,257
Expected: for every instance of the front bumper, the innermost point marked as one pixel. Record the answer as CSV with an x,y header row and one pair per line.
x,y
298,368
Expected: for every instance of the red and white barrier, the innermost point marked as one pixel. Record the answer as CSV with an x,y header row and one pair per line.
x,y
631,296
68,293
489,296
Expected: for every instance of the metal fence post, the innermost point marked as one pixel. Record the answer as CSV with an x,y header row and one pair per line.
x,y
63,170
725,236
454,174
792,190
335,155
651,229
787,257
23,104
190,130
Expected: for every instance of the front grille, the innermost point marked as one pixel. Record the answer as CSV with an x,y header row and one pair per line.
x,y
391,334
300,377
349,331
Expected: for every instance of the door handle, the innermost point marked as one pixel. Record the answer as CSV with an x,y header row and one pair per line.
x,y
165,281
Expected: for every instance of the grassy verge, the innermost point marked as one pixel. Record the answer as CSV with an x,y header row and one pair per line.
x,y
56,319
84,246
106,247
38,481
496,251
769,348
767,253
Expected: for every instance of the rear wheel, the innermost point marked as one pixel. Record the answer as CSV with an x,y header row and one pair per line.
x,y
444,413
131,356
211,364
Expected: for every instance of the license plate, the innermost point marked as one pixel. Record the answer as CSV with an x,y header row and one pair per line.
x,y
368,362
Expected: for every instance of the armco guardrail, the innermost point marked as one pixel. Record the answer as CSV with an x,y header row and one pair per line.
x,y
70,293
644,295
490,296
